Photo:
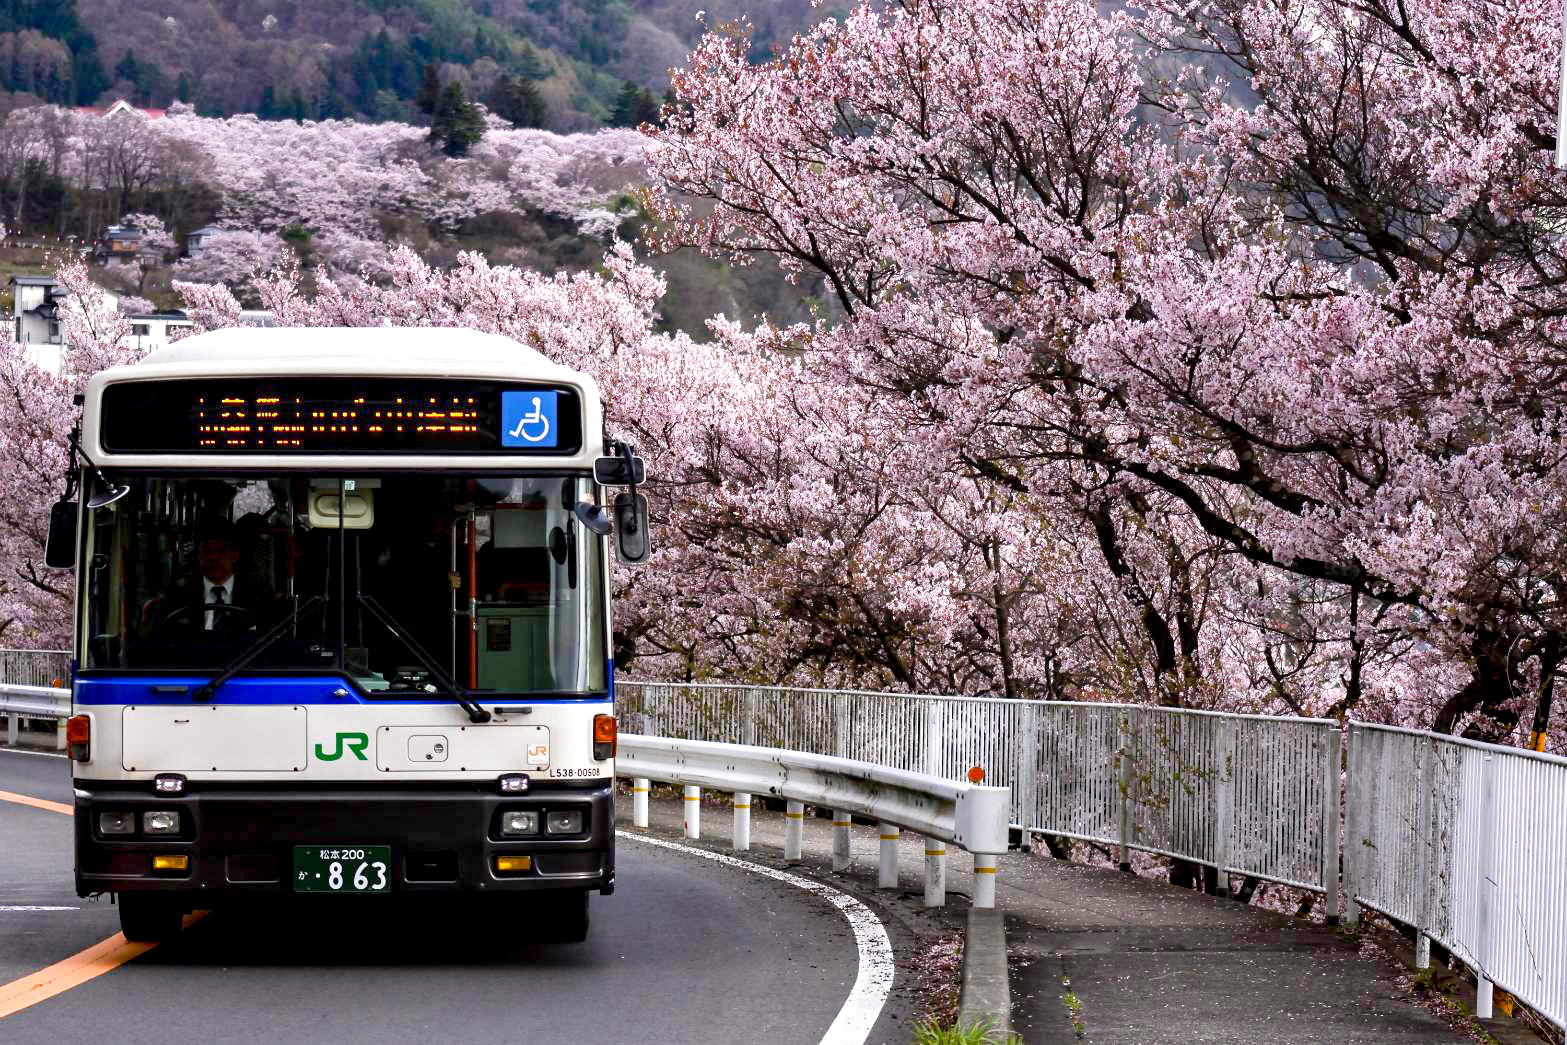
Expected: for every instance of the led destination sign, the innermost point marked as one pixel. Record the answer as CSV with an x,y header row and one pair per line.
x,y
340,415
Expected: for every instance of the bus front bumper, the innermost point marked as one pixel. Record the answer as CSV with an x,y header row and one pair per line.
x,y
240,843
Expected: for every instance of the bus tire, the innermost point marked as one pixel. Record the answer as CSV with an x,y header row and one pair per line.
x,y
148,917
568,920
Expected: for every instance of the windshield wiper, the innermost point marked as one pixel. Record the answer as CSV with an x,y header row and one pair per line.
x,y
476,713
256,649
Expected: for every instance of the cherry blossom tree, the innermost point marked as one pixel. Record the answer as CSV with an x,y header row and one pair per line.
x,y
1314,324
37,413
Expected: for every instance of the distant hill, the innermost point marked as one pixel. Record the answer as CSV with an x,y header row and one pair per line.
x,y
359,59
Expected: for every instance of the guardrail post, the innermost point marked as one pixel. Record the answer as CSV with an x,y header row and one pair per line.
x,y
841,718
985,880
640,786
1224,804
1329,827
842,820
1425,842
1124,858
935,872
13,724
1354,798
742,822
693,806
59,735
1027,762
935,712
794,830
1484,914
887,865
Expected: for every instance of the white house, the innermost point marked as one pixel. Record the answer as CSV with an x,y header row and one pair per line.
x,y
150,330
196,239
35,320
36,304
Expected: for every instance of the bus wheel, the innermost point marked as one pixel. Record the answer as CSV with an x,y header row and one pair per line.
x,y
148,917
568,918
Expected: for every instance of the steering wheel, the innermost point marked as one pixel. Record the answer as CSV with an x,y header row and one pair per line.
x,y
167,622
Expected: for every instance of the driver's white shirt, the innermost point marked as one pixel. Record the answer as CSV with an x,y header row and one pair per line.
x,y
211,595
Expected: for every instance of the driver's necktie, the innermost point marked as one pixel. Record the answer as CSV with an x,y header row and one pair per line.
x,y
217,599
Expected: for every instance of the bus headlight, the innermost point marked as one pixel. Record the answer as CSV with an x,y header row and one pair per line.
x,y
116,823
562,822
520,823
161,822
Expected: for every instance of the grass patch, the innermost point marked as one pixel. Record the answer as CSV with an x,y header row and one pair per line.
x,y
927,1032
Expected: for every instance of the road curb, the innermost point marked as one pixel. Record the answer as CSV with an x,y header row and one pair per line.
x,y
986,996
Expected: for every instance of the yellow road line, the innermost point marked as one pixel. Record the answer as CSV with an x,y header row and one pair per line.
x,y
103,956
36,803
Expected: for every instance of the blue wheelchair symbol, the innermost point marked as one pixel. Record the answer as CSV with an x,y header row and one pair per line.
x,y
528,418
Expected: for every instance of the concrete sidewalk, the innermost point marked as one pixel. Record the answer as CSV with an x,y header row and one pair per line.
x,y
1105,957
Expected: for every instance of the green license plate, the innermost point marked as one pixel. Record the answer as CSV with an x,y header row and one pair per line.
x,y
342,868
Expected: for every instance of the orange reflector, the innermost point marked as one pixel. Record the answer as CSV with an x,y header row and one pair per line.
x,y
513,864
78,737
180,862
78,729
976,774
603,736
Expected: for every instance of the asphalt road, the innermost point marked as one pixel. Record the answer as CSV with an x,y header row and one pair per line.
x,y
686,951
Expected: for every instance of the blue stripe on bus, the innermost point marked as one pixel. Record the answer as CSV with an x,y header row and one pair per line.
x,y
142,689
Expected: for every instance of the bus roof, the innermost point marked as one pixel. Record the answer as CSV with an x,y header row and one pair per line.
x,y
326,350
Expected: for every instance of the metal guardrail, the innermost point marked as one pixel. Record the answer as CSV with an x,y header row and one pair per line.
x,y
972,816
1459,839
1464,841
33,702
1247,794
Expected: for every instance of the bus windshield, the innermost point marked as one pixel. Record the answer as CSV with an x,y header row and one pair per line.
x,y
389,580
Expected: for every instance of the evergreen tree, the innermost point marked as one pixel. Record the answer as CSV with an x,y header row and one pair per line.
x,y
429,97
185,90
87,71
634,107
128,68
267,109
516,100
530,65
625,104
457,124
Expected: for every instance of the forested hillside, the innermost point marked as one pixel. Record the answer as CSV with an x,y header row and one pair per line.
x,y
360,59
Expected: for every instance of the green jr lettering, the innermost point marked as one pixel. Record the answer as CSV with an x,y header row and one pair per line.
x,y
355,742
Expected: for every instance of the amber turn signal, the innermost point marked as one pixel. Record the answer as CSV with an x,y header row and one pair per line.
x,y
513,864
78,737
603,737
178,862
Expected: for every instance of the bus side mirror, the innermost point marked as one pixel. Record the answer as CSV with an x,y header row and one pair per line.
x,y
614,471
631,527
60,550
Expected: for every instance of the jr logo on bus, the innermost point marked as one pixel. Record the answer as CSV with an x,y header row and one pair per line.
x,y
355,742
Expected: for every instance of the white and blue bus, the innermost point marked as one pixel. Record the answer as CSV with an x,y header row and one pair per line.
x,y
343,623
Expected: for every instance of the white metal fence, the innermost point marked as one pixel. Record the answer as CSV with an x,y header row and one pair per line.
x,y
1467,842
1247,794
35,667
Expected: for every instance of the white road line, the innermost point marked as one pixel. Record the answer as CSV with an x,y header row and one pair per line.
x,y
874,982
27,751
28,907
